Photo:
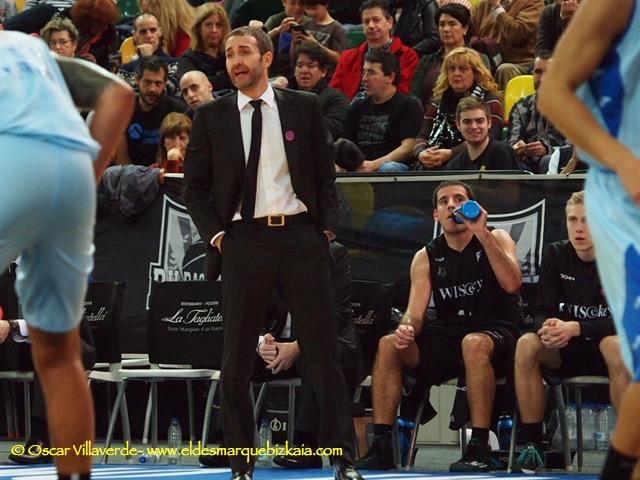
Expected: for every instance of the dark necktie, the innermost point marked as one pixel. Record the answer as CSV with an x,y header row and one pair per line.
x,y
251,170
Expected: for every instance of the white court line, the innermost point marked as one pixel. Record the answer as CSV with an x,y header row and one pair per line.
x,y
129,474
425,476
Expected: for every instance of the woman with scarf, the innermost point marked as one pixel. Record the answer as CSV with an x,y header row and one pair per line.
x,y
463,73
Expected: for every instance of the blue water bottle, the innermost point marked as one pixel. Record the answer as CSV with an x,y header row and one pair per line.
x,y
405,430
505,424
470,210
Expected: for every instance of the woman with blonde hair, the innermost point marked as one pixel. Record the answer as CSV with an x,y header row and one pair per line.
x,y
208,33
463,73
175,133
176,18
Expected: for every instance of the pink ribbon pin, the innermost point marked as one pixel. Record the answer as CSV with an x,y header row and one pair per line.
x,y
290,135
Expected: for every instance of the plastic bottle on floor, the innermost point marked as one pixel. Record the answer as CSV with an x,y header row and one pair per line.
x,y
264,460
174,439
589,426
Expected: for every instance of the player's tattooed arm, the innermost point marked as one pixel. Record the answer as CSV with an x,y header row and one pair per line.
x,y
86,81
111,100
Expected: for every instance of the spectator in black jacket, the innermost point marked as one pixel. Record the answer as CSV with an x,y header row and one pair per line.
x,y
417,25
208,33
553,22
577,339
311,67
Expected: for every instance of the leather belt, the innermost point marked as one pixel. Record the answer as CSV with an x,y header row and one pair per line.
x,y
281,220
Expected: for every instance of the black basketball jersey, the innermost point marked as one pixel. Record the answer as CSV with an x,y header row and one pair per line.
x,y
465,289
570,289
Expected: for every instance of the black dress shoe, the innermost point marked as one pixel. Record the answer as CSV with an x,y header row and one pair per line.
x,y
241,475
31,454
345,471
298,461
214,461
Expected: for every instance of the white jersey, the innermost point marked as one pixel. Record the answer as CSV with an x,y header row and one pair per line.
x,y
31,83
613,92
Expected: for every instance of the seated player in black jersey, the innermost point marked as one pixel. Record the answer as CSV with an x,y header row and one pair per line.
x,y
474,276
573,331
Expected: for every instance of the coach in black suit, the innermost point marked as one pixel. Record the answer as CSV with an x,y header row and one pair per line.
x,y
259,185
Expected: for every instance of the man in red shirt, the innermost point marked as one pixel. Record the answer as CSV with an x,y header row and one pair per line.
x,y
377,23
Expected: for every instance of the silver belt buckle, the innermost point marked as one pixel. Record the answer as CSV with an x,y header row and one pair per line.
x,y
275,221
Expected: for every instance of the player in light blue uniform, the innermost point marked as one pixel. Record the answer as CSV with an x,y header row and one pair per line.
x,y
592,93
47,210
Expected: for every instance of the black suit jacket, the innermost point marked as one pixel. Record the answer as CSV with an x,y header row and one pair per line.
x,y
215,163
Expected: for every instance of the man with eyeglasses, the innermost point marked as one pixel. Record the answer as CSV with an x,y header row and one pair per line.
x,y
311,66
61,35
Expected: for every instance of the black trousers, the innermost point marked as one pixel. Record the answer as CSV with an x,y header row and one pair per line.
x,y
254,258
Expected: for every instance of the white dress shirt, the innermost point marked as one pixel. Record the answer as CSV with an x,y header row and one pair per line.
x,y
274,192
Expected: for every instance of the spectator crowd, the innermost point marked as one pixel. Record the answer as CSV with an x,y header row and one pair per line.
x,y
390,73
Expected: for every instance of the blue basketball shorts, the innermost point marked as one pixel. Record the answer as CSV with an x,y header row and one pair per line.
x,y
614,221
47,215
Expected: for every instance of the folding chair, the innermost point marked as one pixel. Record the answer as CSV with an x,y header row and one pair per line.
x,y
185,329
291,384
15,369
575,383
409,460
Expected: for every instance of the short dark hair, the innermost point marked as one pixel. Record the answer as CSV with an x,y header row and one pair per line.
x,y
544,55
381,4
469,103
315,52
455,10
308,3
449,183
152,63
262,38
387,61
